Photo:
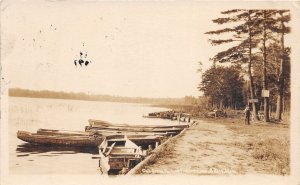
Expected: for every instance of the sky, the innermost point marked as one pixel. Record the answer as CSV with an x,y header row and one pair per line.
x,y
146,49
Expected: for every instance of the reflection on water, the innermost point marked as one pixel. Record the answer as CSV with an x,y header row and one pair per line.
x,y
37,149
30,114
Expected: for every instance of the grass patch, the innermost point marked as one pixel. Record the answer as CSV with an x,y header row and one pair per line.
x,y
275,151
272,152
267,143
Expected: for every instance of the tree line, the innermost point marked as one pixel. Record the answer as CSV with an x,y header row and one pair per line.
x,y
17,92
257,61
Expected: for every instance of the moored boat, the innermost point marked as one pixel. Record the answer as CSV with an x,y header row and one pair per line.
x,y
43,131
150,116
119,154
128,133
124,129
143,139
103,124
60,140
85,139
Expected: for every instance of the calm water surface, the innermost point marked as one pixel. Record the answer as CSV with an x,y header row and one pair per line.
x,y
30,114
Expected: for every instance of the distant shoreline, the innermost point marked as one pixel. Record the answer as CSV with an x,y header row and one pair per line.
x,y
78,100
26,93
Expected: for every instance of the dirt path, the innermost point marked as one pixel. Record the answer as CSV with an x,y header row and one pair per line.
x,y
205,148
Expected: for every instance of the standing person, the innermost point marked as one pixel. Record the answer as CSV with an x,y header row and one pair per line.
x,y
247,115
179,117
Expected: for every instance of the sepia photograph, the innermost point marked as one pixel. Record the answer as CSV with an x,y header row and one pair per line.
x,y
149,92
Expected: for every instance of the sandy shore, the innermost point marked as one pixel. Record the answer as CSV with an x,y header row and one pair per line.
x,y
225,147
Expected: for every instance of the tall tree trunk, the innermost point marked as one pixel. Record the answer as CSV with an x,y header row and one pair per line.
x,y
265,81
252,95
279,105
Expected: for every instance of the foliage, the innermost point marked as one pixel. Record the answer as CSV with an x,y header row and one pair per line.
x,y
257,44
224,86
16,92
243,34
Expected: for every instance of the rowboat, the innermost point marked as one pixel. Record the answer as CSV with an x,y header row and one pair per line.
x,y
151,116
85,139
119,154
173,115
102,124
60,140
139,138
128,133
98,132
43,131
145,142
132,129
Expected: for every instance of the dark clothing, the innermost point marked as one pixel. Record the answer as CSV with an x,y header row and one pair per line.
x,y
247,116
247,120
247,113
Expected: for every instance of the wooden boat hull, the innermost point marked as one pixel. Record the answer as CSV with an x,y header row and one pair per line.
x,y
82,139
103,124
132,129
62,140
151,117
42,131
112,165
118,153
105,132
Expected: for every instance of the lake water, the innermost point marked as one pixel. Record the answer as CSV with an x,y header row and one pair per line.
x,y
30,114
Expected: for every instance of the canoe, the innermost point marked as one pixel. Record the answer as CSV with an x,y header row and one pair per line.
x,y
60,140
119,154
100,123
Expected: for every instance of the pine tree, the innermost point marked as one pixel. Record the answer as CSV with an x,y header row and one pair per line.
x,y
283,29
245,33
270,25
